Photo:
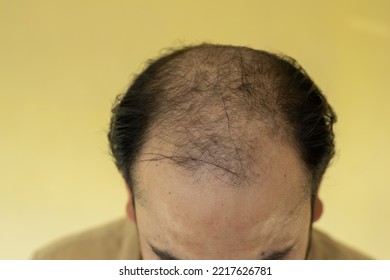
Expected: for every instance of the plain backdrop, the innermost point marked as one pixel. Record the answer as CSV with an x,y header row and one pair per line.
x,y
63,62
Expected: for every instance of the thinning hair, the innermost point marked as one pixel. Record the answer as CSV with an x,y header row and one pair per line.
x,y
202,99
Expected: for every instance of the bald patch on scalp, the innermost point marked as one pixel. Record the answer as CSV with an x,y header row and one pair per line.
x,y
215,104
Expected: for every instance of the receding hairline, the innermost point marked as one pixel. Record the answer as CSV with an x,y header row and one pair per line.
x,y
159,95
209,175
229,81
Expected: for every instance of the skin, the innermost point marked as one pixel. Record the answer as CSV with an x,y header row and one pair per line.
x,y
196,215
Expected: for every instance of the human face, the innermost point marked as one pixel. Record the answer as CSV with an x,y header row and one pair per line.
x,y
180,216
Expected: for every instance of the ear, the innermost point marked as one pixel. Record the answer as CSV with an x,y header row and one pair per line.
x,y
130,210
317,209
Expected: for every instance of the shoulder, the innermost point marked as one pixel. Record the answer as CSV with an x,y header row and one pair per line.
x,y
116,240
324,247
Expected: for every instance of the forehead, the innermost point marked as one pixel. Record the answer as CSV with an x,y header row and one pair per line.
x,y
204,206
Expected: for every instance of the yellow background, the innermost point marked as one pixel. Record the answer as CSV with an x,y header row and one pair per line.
x,y
63,62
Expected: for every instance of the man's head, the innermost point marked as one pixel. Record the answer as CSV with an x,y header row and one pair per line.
x,y
223,149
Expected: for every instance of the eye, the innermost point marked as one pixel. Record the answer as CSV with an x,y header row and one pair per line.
x,y
277,257
280,255
162,255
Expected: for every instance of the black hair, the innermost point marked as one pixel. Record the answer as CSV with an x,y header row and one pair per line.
x,y
200,93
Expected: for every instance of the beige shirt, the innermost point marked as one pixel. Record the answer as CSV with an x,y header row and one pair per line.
x,y
119,241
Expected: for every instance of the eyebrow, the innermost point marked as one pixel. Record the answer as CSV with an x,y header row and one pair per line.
x,y
275,255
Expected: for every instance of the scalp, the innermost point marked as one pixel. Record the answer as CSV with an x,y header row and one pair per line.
x,y
214,105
